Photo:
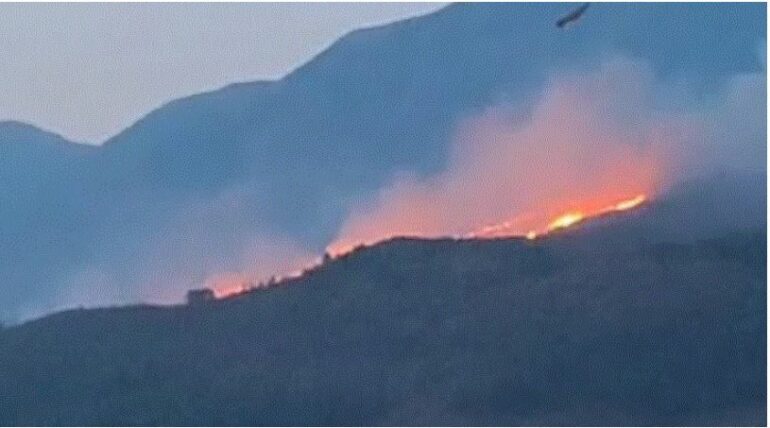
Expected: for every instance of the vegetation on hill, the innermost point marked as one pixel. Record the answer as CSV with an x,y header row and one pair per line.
x,y
413,332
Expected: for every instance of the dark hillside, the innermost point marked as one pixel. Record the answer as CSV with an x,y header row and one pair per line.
x,y
414,332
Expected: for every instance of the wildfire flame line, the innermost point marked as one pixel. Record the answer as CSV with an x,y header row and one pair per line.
x,y
508,228
563,221
503,229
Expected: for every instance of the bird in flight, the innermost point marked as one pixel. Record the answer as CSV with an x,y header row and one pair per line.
x,y
572,16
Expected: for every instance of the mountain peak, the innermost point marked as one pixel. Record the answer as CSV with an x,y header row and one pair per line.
x,y
22,132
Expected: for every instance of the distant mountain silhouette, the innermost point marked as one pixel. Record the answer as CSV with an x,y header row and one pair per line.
x,y
299,151
426,332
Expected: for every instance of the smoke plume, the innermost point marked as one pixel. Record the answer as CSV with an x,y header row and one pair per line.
x,y
589,141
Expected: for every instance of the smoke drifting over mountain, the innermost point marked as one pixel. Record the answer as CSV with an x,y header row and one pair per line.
x,y
591,139
215,243
230,187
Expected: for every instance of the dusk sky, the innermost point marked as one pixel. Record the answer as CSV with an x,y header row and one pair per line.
x,y
87,71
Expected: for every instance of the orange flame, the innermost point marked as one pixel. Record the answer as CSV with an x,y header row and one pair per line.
x,y
629,204
511,228
562,221
233,283
566,220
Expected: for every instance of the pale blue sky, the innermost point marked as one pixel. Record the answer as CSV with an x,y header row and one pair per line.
x,y
87,71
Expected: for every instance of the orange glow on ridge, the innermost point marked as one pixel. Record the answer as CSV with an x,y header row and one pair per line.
x,y
514,228
566,220
232,284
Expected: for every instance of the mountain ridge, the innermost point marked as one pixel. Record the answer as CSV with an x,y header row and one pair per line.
x,y
301,151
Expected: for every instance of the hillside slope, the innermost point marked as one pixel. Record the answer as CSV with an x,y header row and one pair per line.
x,y
413,332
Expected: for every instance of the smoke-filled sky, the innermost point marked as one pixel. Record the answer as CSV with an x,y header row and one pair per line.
x,y
87,71
581,133
587,141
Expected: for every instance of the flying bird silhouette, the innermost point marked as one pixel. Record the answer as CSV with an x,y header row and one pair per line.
x,y
572,16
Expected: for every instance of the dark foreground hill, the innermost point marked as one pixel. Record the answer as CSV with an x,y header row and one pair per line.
x,y
417,332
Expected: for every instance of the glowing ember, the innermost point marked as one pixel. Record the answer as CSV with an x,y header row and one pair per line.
x,y
627,205
512,228
233,284
228,284
566,220
563,221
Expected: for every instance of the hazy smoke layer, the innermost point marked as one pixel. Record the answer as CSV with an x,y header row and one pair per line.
x,y
218,242
590,140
